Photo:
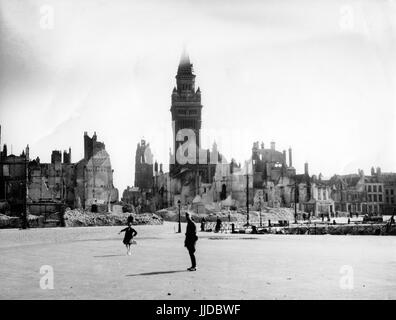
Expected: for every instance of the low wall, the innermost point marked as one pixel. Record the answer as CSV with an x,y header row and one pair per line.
x,y
348,229
16,222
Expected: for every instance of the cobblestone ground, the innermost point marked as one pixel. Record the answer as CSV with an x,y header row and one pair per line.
x,y
90,263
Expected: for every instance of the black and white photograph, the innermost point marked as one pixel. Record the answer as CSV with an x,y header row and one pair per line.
x,y
204,150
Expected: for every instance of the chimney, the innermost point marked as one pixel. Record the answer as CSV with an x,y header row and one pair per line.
x,y
378,171
262,145
273,145
27,152
284,158
290,158
306,168
5,151
161,168
156,167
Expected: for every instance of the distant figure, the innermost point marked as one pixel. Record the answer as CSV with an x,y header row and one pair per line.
x,y
269,223
349,220
203,222
254,230
128,238
334,222
190,241
218,225
322,217
130,219
392,219
229,215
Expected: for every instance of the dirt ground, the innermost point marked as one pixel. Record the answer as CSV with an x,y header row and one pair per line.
x,y
91,263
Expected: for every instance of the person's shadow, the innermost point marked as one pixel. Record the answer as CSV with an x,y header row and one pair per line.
x,y
154,273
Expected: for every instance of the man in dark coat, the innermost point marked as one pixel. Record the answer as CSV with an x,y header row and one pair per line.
x,y
191,239
218,225
130,219
203,221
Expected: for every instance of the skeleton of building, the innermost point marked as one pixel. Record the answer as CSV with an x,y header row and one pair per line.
x,y
86,184
13,177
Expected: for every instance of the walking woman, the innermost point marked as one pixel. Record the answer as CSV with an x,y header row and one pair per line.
x,y
190,241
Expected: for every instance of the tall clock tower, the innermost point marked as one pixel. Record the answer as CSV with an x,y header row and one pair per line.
x,y
186,104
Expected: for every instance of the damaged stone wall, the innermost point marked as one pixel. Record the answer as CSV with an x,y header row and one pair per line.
x,y
99,180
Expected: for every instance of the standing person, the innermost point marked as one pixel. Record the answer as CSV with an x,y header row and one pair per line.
x,y
128,238
218,225
203,221
190,241
130,219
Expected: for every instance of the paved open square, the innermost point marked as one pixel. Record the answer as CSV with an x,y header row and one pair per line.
x,y
91,263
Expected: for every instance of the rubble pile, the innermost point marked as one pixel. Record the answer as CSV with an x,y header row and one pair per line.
x,y
16,222
81,218
35,221
345,229
9,222
267,213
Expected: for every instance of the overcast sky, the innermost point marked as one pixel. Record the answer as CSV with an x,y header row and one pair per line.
x,y
319,76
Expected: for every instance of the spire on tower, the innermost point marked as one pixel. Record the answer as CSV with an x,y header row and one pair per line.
x,y
185,66
184,59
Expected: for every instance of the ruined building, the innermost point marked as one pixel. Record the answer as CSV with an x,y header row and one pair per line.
x,y
140,195
94,177
271,169
13,177
143,166
51,185
349,193
86,184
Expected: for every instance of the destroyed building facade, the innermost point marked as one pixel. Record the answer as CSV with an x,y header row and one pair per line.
x,y
94,177
13,176
144,167
87,184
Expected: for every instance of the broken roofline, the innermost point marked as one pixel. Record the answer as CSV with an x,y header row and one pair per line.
x,y
189,152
